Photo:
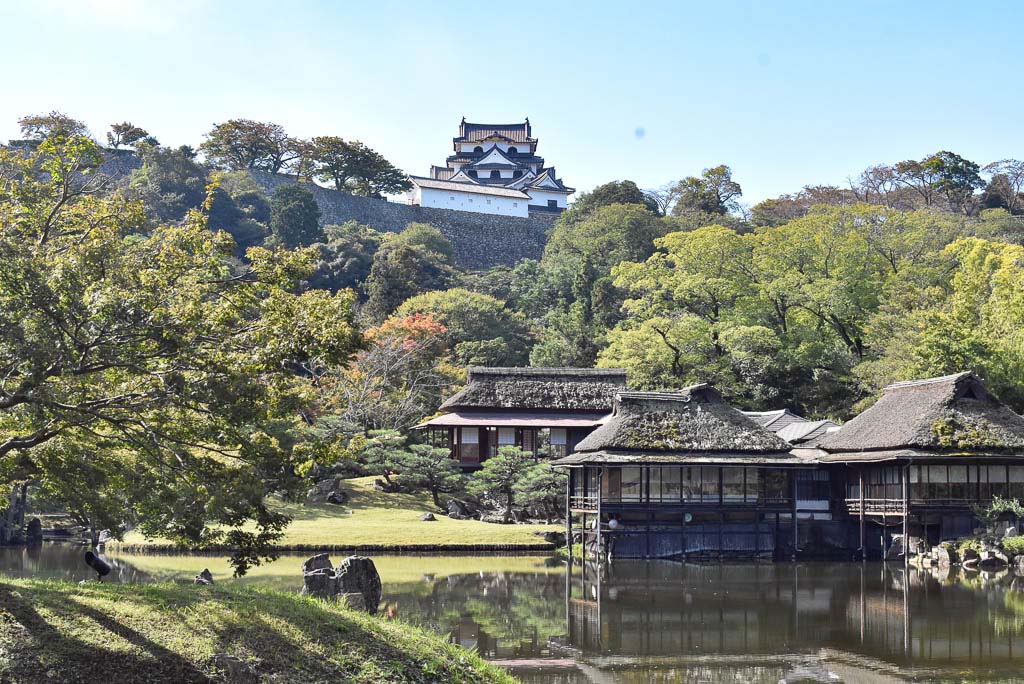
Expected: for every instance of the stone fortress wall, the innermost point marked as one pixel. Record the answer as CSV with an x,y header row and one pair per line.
x,y
480,240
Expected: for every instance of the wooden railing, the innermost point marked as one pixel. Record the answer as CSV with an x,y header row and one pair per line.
x,y
876,506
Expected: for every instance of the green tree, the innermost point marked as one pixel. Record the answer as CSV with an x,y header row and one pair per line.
x,y
955,177
126,133
353,167
141,365
240,144
425,467
713,192
480,329
346,257
295,217
542,488
169,182
53,125
615,192
499,476
418,259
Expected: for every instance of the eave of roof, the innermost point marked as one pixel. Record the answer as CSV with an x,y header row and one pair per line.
x,y
469,188
881,455
506,418
615,457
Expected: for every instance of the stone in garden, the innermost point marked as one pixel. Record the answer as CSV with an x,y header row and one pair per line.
x,y
991,558
205,577
317,562
355,575
358,574
337,497
1010,532
943,557
428,517
969,557
457,510
234,669
323,489
554,537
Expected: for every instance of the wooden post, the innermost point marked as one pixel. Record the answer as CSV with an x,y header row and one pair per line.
x,y
568,510
906,523
796,532
863,539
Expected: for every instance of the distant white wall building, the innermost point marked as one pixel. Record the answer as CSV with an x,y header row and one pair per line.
x,y
494,170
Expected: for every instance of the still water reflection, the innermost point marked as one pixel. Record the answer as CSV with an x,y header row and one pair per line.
x,y
664,622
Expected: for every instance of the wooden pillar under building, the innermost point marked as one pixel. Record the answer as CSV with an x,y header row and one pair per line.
x,y
906,521
796,532
863,538
568,511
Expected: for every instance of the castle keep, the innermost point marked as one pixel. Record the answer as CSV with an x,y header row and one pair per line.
x,y
495,169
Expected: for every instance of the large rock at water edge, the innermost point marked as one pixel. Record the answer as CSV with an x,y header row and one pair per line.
x,y
355,575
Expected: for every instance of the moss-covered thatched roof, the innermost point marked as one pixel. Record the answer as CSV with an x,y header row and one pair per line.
x,y
547,389
692,422
945,414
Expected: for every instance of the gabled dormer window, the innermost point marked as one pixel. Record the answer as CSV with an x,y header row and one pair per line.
x,y
513,150
478,149
495,173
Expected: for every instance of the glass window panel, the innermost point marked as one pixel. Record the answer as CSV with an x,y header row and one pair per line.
x,y
611,485
670,484
631,484
469,445
958,487
691,484
558,436
753,486
506,436
997,473
1016,473
709,484
654,484
529,440
775,486
732,484
915,475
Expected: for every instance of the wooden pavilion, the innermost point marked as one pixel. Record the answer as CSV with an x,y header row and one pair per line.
x,y
683,474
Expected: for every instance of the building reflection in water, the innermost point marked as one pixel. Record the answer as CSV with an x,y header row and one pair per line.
x,y
815,621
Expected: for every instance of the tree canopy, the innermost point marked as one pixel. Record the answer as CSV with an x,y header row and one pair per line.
x,y
143,378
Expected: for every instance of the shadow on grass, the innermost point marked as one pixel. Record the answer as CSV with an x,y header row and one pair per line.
x,y
360,498
43,652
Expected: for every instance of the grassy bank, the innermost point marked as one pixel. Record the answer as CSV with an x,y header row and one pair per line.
x,y
384,522
64,632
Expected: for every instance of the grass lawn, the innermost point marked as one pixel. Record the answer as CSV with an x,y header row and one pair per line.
x,y
64,632
384,521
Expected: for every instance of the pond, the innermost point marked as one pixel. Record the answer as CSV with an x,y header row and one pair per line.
x,y
650,621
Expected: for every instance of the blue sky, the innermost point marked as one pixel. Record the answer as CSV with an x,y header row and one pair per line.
x,y
786,93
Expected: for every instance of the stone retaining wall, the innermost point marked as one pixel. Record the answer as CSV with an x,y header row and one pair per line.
x,y
480,240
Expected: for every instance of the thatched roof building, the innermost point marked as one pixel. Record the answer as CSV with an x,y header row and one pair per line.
x,y
547,389
563,398
693,425
949,415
